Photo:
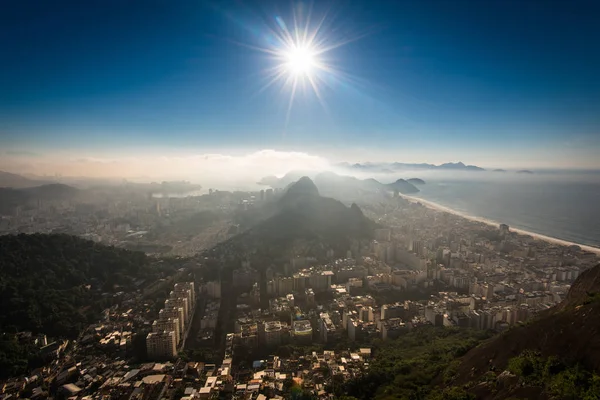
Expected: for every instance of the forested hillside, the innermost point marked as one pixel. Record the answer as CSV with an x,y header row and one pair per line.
x,y
55,283
414,365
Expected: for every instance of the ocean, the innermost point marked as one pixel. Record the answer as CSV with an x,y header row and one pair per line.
x,y
561,205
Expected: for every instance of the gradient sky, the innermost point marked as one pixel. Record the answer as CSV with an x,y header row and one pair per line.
x,y
492,83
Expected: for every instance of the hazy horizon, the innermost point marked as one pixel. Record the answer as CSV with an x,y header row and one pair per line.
x,y
243,171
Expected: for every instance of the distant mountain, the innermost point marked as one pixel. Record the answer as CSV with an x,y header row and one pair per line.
x,y
342,186
499,170
53,191
524,171
333,184
10,180
402,186
460,166
320,213
396,166
566,334
26,197
299,190
301,219
284,181
416,181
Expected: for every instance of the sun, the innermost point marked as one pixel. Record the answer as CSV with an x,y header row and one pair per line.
x,y
301,53
300,61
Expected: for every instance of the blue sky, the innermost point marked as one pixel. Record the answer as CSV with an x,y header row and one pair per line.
x,y
488,82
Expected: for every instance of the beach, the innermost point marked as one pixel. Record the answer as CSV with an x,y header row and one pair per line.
x,y
438,207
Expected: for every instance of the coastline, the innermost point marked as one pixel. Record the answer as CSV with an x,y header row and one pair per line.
x,y
537,236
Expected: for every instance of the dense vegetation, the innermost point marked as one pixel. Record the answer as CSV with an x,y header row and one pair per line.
x,y
433,364
412,366
55,283
555,376
17,358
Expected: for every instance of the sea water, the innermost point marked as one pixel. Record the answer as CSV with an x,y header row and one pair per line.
x,y
560,205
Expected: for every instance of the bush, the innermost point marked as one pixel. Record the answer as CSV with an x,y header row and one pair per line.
x,y
528,366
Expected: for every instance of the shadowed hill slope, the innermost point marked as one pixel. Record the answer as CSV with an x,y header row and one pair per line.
x,y
568,333
302,189
555,356
302,216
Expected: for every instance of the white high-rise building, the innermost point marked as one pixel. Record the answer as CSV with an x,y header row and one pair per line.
x,y
161,345
173,313
179,302
168,325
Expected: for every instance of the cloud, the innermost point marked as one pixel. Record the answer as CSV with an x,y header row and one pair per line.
x,y
210,169
237,170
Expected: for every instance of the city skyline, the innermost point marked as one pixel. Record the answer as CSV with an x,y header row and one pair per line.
x,y
500,84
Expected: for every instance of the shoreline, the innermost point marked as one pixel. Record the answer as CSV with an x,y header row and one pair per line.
x,y
537,236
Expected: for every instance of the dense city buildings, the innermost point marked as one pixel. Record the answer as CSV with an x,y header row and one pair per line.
x,y
170,329
422,267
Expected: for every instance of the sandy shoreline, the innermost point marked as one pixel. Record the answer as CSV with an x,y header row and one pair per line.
x,y
537,236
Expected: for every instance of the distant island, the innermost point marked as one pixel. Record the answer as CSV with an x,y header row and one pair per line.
x,y
524,171
499,170
416,181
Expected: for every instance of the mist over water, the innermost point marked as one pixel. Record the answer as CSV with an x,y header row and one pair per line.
x,y
560,205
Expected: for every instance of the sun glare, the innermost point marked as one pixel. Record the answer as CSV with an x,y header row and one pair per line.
x,y
300,61
300,51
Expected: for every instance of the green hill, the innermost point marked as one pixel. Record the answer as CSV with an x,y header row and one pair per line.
x,y
411,366
53,284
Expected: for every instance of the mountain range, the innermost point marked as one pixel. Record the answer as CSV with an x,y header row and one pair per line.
x,y
397,166
11,197
15,181
334,185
